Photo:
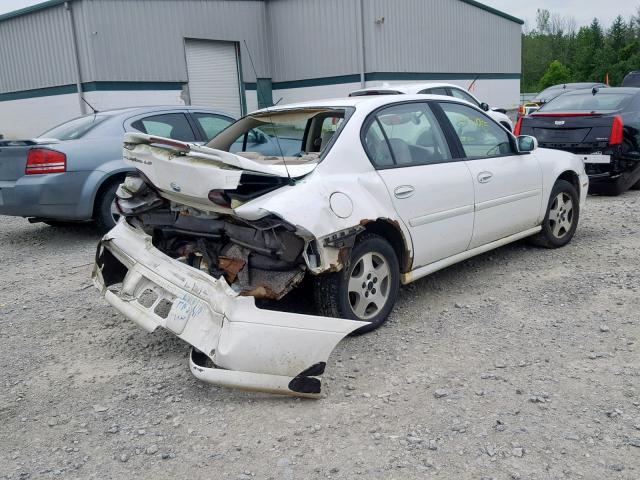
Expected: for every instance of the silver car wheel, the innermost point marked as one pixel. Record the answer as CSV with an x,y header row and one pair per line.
x,y
561,215
369,285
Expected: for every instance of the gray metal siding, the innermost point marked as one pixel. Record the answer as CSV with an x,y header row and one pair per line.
x,y
313,38
446,36
142,40
35,51
126,40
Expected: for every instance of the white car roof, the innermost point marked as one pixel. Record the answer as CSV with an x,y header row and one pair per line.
x,y
407,88
371,102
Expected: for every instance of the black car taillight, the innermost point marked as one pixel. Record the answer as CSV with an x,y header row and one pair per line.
x,y
617,131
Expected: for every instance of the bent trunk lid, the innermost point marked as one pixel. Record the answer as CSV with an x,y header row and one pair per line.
x,y
186,173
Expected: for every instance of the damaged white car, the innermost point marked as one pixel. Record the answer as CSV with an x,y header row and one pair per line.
x,y
361,194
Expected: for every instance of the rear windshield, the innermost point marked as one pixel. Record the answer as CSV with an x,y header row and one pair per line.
x,y
548,94
75,128
301,133
631,80
588,102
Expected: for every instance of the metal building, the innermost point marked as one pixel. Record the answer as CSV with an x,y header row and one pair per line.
x,y
236,55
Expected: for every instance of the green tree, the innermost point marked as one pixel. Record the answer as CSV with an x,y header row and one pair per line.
x,y
556,74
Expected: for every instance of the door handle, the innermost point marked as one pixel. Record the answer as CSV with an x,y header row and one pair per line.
x,y
484,177
403,191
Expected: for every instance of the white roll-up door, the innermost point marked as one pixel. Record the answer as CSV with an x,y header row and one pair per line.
x,y
213,75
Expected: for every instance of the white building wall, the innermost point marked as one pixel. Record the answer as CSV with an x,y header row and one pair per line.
x,y
252,100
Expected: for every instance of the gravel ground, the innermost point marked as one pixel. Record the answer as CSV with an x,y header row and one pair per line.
x,y
519,364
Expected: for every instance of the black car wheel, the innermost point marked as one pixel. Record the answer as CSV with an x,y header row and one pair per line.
x,y
366,289
106,214
561,219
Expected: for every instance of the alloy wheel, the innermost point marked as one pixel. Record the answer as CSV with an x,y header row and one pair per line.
x,y
369,285
561,215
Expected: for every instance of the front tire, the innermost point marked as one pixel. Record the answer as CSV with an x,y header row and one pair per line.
x,y
561,219
366,288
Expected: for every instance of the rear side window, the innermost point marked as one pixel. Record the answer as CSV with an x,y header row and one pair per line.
x,y
588,102
211,124
168,125
436,91
404,135
461,94
479,135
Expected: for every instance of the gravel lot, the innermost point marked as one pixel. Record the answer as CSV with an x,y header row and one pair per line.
x,y
519,364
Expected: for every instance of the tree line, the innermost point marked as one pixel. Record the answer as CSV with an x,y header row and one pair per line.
x,y
556,51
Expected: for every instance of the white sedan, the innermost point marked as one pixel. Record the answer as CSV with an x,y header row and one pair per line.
x,y
447,89
360,194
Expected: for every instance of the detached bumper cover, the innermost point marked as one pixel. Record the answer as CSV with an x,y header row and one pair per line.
x,y
236,344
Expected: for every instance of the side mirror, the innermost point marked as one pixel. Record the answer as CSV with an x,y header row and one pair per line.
x,y
527,143
485,106
500,110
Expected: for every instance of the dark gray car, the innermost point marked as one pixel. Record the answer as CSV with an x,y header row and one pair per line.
x,y
71,172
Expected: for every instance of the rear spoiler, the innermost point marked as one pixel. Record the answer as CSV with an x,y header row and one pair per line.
x,y
17,143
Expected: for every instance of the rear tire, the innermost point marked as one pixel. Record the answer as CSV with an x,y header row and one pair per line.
x,y
561,220
105,215
366,288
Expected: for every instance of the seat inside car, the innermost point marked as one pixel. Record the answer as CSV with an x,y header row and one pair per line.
x,y
401,151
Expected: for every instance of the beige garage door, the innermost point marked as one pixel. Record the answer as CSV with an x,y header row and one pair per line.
x,y
213,75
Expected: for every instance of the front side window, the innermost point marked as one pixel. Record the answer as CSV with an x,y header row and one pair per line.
x,y
479,135
168,125
407,134
211,124
461,94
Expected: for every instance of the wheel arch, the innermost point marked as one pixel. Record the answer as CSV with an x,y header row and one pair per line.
x,y
103,184
390,230
571,177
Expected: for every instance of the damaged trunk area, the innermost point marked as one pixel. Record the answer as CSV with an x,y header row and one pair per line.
x,y
261,258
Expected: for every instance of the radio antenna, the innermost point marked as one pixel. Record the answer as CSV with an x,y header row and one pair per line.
x,y
275,130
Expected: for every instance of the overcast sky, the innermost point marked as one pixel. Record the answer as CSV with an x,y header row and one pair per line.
x,y
582,10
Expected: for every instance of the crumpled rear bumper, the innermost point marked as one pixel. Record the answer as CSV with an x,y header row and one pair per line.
x,y
236,344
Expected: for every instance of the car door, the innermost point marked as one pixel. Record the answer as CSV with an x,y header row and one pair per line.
x,y
430,189
507,184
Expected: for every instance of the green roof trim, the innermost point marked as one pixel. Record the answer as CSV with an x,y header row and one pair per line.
x,y
382,76
489,9
31,8
90,87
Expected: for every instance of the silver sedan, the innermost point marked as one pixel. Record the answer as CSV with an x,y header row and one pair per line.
x,y
71,172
